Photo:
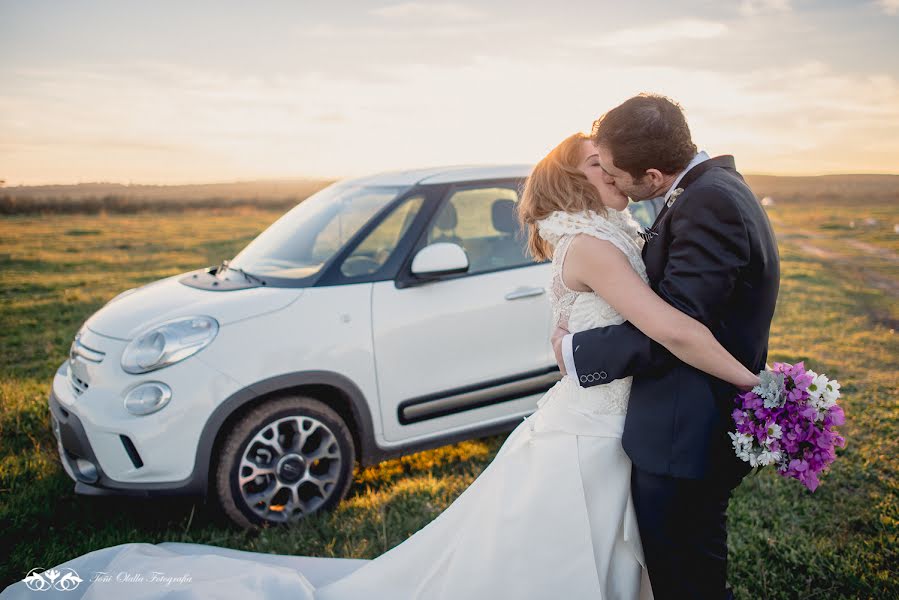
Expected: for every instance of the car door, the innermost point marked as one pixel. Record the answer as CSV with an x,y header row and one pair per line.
x,y
467,349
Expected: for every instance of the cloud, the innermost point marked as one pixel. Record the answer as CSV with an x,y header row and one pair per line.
x,y
156,122
652,38
755,7
890,7
419,33
429,11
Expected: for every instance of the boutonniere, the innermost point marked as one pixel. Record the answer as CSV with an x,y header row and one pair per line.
x,y
677,192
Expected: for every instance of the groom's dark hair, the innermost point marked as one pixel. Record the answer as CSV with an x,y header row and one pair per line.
x,y
648,131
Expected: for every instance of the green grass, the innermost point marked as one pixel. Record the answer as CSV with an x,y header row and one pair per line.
x,y
838,542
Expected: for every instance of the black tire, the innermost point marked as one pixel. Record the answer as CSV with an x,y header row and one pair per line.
x,y
286,475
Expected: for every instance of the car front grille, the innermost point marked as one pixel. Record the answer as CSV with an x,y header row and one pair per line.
x,y
78,386
79,351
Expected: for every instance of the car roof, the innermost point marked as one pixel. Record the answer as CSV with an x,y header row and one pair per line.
x,y
449,174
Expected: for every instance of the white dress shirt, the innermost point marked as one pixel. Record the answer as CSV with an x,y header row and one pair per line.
x,y
567,351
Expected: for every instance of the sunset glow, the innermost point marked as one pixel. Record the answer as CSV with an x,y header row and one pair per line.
x,y
169,92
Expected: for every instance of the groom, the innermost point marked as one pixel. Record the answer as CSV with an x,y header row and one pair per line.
x,y
711,253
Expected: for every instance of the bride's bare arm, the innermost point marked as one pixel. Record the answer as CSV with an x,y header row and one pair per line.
x,y
598,265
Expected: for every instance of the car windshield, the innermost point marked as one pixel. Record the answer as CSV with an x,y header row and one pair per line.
x,y
299,243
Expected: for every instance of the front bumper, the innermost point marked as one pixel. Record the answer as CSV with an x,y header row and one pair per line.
x,y
81,464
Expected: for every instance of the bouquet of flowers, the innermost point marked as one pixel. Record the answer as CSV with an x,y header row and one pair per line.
x,y
788,420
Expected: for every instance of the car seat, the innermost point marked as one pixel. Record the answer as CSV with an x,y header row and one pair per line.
x,y
508,248
445,226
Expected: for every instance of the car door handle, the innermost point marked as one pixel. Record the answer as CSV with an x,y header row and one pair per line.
x,y
525,292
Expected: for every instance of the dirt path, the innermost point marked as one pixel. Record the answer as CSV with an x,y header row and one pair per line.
x,y
874,250
823,247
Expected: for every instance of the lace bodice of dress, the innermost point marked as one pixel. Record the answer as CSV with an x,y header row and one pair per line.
x,y
575,310
579,311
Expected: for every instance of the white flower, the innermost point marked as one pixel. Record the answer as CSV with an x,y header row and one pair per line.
x,y
816,387
768,458
774,431
738,445
744,448
832,391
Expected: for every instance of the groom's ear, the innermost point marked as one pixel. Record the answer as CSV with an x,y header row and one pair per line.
x,y
655,176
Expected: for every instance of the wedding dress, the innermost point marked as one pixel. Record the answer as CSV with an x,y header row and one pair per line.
x,y
550,517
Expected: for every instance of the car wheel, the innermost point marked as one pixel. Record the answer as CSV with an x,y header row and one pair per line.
x,y
283,460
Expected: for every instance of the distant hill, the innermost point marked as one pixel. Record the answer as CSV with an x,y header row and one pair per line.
x,y
115,197
268,189
827,189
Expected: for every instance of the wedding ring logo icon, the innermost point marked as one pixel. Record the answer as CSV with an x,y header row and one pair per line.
x,y
62,580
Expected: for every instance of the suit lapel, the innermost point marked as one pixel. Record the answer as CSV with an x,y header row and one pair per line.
x,y
725,161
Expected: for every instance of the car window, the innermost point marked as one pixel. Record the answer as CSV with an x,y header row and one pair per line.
x,y
305,238
371,254
344,225
485,223
644,212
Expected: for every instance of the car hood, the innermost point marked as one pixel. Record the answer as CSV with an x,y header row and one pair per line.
x,y
168,298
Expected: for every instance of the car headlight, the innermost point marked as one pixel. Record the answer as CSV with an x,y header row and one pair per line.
x,y
168,343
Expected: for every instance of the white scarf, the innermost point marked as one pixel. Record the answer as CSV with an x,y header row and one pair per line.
x,y
560,223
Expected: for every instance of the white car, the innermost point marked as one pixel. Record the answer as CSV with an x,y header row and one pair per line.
x,y
381,316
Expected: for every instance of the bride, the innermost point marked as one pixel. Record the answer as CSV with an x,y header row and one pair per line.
x,y
551,516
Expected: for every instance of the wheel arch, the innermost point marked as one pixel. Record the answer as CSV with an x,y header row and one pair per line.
x,y
333,389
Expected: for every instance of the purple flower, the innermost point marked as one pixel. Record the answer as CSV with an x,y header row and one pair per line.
x,y
836,415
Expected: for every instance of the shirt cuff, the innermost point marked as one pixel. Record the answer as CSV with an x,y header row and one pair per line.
x,y
568,356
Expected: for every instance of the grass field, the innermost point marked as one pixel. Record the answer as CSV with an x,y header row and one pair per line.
x,y
838,311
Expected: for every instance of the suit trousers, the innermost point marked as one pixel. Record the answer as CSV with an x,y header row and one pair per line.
x,y
683,530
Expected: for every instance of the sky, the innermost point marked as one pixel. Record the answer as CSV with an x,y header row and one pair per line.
x,y
185,91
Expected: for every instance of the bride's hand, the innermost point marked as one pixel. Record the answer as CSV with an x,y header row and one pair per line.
x,y
751,381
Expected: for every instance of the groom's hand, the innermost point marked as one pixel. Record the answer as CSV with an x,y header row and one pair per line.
x,y
557,336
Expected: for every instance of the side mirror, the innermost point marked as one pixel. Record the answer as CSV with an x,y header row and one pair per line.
x,y
441,258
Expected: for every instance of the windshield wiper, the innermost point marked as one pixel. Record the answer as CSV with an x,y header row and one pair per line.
x,y
226,267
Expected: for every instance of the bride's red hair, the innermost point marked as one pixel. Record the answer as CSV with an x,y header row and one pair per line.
x,y
556,183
